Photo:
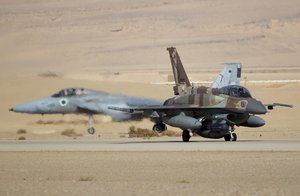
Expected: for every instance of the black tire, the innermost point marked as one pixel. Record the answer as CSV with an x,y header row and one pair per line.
x,y
159,128
234,137
91,130
165,127
227,137
186,136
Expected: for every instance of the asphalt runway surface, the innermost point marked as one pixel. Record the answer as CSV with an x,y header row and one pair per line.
x,y
160,144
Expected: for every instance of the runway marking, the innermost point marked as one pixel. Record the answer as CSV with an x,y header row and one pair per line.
x,y
150,145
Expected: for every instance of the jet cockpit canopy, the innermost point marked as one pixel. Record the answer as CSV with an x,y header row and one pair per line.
x,y
68,92
235,91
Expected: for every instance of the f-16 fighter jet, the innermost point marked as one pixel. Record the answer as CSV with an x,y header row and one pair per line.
x,y
211,112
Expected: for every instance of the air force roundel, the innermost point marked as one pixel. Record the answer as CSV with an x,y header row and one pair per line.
x,y
63,102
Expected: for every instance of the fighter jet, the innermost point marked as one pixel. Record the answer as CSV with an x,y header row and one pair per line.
x,y
85,101
207,111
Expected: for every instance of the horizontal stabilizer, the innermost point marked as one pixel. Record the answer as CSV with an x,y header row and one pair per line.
x,y
271,106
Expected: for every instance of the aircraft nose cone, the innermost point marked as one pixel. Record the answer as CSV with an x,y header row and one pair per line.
x,y
24,108
256,107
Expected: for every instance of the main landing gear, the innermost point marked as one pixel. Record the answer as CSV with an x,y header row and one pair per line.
x,y
91,121
186,135
159,127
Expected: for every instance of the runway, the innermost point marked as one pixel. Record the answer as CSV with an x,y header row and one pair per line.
x,y
161,144
156,166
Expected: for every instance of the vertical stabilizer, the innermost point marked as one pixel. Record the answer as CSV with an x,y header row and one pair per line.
x,y
230,75
180,76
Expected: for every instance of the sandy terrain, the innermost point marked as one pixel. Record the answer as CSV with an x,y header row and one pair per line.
x,y
120,46
97,35
150,173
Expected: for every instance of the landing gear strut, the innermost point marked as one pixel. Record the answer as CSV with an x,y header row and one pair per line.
x,y
159,127
91,121
231,136
186,135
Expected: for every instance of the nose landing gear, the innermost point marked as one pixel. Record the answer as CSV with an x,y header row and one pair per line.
x,y
231,136
91,130
91,121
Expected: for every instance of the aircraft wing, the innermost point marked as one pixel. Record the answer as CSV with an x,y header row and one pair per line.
x,y
117,115
271,106
230,75
175,109
89,107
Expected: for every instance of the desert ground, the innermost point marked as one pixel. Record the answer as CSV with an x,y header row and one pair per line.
x,y
150,173
120,47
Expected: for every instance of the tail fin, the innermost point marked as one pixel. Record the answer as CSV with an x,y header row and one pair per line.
x,y
180,77
230,75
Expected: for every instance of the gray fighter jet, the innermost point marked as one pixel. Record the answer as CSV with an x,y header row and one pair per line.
x,y
89,102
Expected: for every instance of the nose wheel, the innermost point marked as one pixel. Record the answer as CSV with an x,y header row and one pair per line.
x,y
230,137
91,130
91,121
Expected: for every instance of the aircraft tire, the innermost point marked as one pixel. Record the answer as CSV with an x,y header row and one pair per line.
x,y
159,128
227,137
234,137
186,136
91,130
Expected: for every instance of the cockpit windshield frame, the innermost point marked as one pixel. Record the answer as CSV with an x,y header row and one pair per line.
x,y
70,92
236,91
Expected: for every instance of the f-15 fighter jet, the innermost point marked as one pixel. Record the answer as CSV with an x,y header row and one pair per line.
x,y
84,101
